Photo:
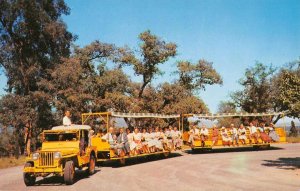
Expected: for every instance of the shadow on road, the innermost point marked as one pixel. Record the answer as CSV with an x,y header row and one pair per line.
x,y
284,163
138,160
58,181
230,149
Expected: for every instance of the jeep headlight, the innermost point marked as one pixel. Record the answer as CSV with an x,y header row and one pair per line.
x,y
57,155
35,156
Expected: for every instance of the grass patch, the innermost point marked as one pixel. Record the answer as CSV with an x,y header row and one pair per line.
x,y
293,139
7,162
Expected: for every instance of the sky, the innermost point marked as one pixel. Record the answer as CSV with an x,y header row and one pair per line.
x,y
231,34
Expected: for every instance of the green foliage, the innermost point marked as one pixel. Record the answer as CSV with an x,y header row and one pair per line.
x,y
227,107
154,51
197,76
286,85
256,94
46,76
33,39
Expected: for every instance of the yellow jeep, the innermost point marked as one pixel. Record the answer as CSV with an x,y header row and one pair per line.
x,y
64,148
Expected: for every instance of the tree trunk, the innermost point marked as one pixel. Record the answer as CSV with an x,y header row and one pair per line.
x,y
142,89
277,119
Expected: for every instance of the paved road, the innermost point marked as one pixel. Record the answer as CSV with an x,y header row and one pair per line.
x,y
276,169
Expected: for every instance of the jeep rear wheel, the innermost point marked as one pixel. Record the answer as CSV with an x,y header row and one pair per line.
x,y
29,179
91,165
69,172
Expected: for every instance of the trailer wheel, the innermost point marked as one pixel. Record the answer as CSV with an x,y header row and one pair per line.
x,y
122,161
166,154
91,165
29,179
69,172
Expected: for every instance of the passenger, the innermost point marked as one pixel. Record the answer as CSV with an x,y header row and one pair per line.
x,y
137,137
111,138
159,145
176,135
234,135
163,138
168,134
242,134
225,138
263,135
194,135
66,119
131,142
215,135
123,139
273,135
203,135
253,134
151,142
145,139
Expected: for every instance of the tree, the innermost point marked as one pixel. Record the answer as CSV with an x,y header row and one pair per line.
x,y
286,88
84,83
33,39
196,76
293,130
256,93
227,107
154,51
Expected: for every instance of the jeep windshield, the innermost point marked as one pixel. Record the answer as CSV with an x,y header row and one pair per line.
x,y
63,136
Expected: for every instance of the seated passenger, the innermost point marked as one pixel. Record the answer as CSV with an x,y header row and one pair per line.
x,y
123,139
159,145
111,138
151,141
253,134
145,139
137,138
263,135
203,135
176,135
234,135
131,142
168,134
272,133
215,135
194,135
225,137
163,139
242,134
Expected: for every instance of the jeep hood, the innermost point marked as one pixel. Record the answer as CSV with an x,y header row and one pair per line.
x,y
65,147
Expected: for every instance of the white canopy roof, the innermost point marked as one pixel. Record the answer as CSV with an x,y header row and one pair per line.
x,y
71,127
221,115
143,115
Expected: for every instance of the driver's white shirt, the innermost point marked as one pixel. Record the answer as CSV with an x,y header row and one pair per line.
x,y
67,121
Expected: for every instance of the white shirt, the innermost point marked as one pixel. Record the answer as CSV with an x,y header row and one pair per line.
x,y
233,131
67,121
204,131
176,134
137,136
224,134
195,131
253,129
108,137
242,131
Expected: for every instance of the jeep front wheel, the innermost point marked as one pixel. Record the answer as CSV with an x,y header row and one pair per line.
x,y
69,172
91,165
29,179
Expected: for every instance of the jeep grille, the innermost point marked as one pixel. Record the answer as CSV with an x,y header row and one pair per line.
x,y
46,159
